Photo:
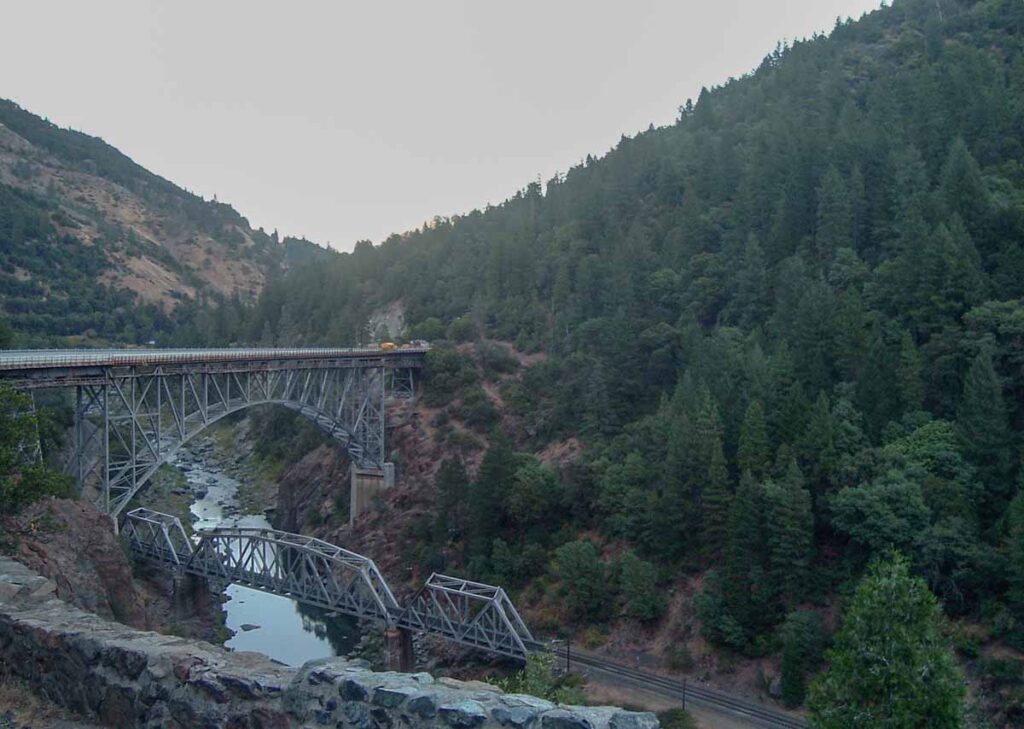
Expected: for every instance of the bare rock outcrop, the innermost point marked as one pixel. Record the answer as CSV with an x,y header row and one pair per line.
x,y
74,545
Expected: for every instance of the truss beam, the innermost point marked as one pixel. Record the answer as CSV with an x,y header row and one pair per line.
x,y
317,573
129,424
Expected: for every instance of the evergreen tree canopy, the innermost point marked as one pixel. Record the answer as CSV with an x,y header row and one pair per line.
x,y
890,666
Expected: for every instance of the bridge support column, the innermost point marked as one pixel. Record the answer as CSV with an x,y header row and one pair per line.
x,y
398,650
188,591
367,485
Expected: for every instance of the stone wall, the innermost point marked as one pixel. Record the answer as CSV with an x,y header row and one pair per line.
x,y
124,677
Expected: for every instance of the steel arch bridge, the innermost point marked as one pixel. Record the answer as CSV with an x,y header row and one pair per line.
x,y
317,573
135,408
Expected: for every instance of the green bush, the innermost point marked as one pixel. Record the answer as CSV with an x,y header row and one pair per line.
x,y
22,479
447,372
495,359
477,410
676,719
584,580
538,679
462,330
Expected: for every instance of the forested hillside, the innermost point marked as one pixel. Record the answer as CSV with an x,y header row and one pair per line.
x,y
94,246
789,330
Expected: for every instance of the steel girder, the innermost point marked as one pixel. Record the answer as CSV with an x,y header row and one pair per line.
x,y
128,423
469,613
317,573
156,537
306,569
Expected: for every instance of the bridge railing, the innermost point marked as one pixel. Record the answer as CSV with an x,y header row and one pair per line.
x,y
63,358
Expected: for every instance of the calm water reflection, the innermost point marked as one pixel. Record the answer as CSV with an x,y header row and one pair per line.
x,y
273,625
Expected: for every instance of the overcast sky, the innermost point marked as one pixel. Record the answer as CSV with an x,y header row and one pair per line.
x,y
342,121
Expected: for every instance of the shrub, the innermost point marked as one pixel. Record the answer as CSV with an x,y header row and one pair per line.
x,y
495,359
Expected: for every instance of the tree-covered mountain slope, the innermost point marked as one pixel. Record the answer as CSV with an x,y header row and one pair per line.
x,y
788,329
92,244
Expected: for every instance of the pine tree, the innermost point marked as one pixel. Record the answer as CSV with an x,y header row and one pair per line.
x,y
890,665
790,538
487,493
692,438
786,404
812,336
267,337
716,502
638,583
288,334
751,305
908,374
746,588
452,485
877,392
835,217
817,445
1015,554
851,334
802,639
754,452
962,187
983,427
953,278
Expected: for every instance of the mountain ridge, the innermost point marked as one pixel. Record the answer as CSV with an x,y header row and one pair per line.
x,y
153,244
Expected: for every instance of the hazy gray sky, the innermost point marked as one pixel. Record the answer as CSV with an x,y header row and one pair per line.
x,y
341,121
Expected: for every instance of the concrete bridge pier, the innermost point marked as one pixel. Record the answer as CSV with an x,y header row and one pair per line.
x,y
367,485
398,650
188,591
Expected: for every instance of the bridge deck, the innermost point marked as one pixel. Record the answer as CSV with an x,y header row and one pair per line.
x,y
23,359
35,368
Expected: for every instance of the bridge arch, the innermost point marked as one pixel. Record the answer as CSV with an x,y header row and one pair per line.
x,y
131,424
135,408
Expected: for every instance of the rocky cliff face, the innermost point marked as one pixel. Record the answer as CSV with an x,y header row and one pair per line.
x,y
314,491
73,544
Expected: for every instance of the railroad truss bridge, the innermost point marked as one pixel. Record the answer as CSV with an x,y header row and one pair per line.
x,y
316,573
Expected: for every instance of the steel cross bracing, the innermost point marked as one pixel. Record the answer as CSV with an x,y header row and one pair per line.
x,y
135,408
317,573
137,418
306,569
469,613
158,537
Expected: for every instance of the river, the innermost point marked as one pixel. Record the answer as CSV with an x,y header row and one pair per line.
x,y
273,625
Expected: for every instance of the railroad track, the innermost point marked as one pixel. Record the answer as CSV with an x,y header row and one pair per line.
x,y
756,714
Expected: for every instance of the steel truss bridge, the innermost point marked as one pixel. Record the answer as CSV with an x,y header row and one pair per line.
x,y
314,572
135,408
